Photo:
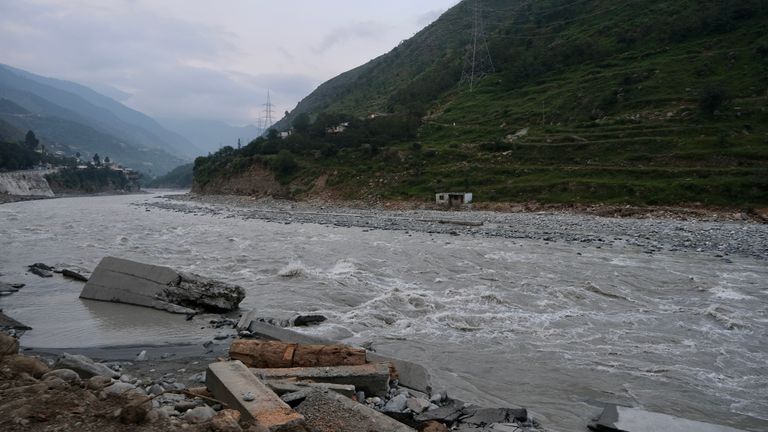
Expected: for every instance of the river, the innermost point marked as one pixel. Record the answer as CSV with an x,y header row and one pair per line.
x,y
552,325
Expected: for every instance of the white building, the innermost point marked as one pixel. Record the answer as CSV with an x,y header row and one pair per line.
x,y
451,199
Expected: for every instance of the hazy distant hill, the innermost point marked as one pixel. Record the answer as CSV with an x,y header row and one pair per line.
x,y
211,135
69,116
587,101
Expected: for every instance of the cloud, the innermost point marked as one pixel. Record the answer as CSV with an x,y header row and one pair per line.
x,y
354,31
429,17
197,59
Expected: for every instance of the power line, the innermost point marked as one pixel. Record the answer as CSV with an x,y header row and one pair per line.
x,y
478,62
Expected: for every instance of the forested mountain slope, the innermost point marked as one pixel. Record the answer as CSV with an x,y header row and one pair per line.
x,y
644,102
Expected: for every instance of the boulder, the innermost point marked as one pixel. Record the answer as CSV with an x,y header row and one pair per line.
x,y
9,345
68,375
22,364
227,420
84,366
122,281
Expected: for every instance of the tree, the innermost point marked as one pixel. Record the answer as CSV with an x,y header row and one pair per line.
x,y
77,155
31,140
272,134
301,123
106,160
96,159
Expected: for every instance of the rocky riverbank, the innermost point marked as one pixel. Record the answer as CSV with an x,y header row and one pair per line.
x,y
708,235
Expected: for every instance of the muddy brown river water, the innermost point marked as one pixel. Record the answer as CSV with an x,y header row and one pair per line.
x,y
550,325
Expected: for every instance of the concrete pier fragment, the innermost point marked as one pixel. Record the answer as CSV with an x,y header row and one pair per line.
x,y
373,378
233,384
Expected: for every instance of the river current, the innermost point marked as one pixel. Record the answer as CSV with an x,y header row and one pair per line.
x,y
549,325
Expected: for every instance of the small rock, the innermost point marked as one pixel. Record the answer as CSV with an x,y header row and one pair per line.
x,y
439,397
67,375
417,405
74,275
142,356
226,421
185,405
98,382
433,426
308,320
135,411
156,389
199,415
125,378
56,383
397,403
249,397
121,389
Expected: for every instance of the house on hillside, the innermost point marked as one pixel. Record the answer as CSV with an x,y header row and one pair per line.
x,y
453,199
339,128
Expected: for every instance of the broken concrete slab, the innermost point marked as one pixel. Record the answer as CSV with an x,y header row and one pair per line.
x,y
616,418
251,322
283,387
445,414
277,354
8,323
332,412
123,281
373,378
479,416
411,375
232,383
74,275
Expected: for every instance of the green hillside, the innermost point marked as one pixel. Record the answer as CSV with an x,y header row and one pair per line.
x,y
642,102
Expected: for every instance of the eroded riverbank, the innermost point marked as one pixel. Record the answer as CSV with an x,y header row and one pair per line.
x,y
543,311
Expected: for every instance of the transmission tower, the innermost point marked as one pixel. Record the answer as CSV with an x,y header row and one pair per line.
x,y
268,111
478,62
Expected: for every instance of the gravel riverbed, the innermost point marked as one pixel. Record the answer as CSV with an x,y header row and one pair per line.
x,y
715,238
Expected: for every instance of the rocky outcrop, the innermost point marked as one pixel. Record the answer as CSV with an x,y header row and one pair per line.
x,y
123,281
25,183
256,181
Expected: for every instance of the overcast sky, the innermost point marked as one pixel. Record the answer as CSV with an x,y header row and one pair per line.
x,y
203,58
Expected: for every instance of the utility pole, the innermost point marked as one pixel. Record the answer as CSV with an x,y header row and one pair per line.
x,y
478,62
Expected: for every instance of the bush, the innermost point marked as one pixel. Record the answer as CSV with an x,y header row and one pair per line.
x,y
711,100
285,164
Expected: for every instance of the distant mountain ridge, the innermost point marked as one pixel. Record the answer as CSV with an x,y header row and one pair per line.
x,y
211,135
73,117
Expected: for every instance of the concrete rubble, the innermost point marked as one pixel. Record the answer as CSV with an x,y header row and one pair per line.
x,y
616,418
373,378
122,281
